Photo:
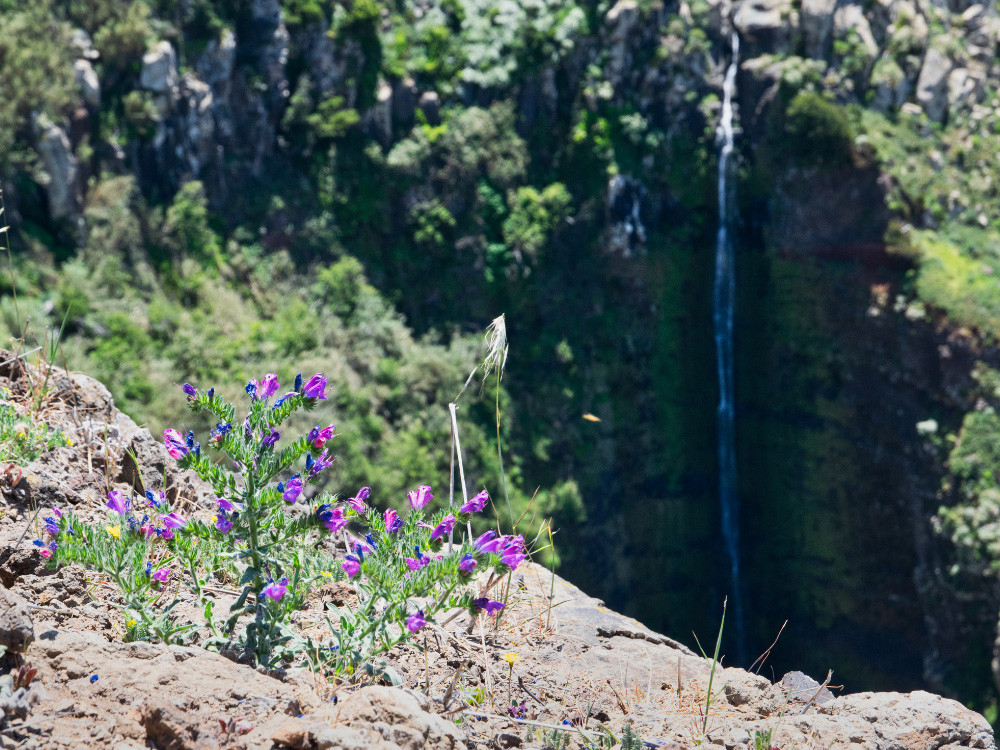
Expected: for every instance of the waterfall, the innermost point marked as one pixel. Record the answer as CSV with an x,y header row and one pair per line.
x,y
723,297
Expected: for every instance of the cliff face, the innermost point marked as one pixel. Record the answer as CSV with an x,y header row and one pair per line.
x,y
556,162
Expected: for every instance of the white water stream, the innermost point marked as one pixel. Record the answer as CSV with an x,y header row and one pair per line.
x,y
723,300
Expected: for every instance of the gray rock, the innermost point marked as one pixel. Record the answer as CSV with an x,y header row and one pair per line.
x,y
80,41
404,101
159,68
798,687
621,23
817,26
16,629
430,105
87,83
768,24
932,85
850,19
61,169
965,87
215,65
378,119
748,689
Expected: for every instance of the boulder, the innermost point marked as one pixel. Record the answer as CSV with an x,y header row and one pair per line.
x,y
430,105
620,22
932,85
16,628
378,119
768,25
159,68
965,88
817,26
87,83
404,101
215,65
850,19
61,169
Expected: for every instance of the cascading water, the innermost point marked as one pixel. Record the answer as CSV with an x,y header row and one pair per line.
x,y
723,298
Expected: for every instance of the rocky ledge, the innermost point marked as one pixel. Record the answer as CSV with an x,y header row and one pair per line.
x,y
582,671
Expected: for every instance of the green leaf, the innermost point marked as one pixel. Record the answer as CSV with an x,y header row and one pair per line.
x,y
248,576
239,603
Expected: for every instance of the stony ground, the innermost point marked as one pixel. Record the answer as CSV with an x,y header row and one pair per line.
x,y
583,671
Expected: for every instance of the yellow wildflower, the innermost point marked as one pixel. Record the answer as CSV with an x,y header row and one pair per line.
x,y
69,442
214,519
511,658
115,531
326,573
131,624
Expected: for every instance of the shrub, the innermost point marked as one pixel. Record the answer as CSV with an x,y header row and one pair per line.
x,y
816,131
274,542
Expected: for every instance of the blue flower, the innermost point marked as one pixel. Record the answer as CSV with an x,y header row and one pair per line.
x,y
298,382
93,679
190,440
252,389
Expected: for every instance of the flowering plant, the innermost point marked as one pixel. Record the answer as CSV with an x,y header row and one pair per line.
x,y
275,538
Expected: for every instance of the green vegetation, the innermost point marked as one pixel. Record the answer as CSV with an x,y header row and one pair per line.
x,y
22,438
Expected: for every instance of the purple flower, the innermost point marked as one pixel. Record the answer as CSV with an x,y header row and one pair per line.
x,y
317,465
319,435
291,489
416,621
117,502
223,524
443,528
420,561
151,498
489,542
513,553
476,504
420,497
468,563
315,387
173,520
271,439
332,518
275,590
268,386
484,604
190,391
175,444
51,526
298,383
351,566
226,505
161,576
358,501
58,513
392,521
